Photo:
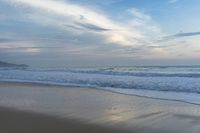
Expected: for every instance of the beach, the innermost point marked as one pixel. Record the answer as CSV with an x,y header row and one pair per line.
x,y
43,108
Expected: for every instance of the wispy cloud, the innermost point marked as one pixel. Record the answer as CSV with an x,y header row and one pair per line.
x,y
179,35
186,34
78,18
18,47
92,27
138,14
101,2
7,40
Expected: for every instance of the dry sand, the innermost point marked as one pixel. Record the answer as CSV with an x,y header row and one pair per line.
x,y
37,108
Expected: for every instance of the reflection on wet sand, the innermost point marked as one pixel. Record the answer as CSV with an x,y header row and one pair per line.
x,y
102,108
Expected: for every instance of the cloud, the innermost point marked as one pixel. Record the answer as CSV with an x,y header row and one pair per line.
x,y
138,14
77,19
93,27
186,34
179,35
6,40
80,31
97,2
17,47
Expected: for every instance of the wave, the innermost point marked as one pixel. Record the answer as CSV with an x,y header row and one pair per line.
x,y
161,71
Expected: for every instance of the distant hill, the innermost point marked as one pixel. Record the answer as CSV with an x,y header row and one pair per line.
x,y
5,64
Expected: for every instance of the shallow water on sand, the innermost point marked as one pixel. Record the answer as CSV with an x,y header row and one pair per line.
x,y
165,82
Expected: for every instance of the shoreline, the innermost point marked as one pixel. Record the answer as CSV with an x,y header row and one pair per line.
x,y
82,108
109,90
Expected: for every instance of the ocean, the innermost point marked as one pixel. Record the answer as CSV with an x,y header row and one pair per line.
x,y
180,83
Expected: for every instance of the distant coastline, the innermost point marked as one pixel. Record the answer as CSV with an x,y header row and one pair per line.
x,y
6,64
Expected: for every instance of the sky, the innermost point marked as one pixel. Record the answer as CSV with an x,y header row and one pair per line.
x,y
61,33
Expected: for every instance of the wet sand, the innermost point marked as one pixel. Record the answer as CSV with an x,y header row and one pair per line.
x,y
39,108
15,121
